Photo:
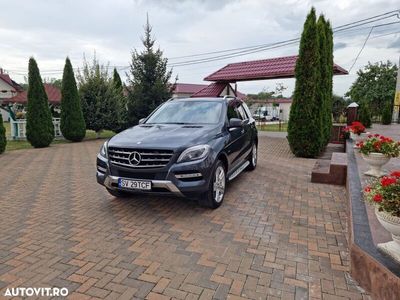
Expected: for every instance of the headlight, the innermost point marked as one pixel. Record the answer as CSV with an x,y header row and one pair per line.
x,y
194,153
103,150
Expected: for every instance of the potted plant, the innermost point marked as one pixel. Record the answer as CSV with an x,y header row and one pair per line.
x,y
356,130
377,151
384,194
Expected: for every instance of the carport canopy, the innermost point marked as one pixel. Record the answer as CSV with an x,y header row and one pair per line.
x,y
273,68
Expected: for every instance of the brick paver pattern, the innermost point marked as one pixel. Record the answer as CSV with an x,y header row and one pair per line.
x,y
277,235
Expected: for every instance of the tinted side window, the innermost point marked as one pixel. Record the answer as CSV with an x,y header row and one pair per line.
x,y
233,112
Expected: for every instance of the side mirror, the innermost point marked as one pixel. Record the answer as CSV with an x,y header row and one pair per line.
x,y
235,123
141,121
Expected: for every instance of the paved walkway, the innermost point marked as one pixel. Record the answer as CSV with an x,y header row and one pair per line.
x,y
277,236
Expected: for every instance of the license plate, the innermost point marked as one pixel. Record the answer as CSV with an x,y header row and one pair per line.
x,y
134,184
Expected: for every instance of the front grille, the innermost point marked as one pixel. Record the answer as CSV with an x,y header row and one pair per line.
x,y
149,158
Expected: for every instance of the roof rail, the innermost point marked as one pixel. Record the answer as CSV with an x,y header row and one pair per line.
x,y
229,96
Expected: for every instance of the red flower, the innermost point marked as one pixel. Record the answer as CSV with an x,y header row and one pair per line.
x,y
395,174
370,136
378,198
377,145
385,181
376,135
367,189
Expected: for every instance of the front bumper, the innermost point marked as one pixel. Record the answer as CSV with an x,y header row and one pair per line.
x,y
167,180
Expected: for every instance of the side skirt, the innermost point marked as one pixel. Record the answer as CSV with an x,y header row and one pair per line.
x,y
239,170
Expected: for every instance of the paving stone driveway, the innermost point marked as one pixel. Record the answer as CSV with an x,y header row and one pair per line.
x,y
277,236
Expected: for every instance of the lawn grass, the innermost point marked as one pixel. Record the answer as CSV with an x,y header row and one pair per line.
x,y
272,127
17,145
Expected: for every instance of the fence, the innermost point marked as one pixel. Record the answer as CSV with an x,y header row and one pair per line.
x,y
18,128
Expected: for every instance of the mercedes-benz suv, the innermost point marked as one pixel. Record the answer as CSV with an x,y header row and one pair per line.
x,y
189,147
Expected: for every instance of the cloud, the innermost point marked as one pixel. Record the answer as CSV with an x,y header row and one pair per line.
x,y
51,30
339,45
395,44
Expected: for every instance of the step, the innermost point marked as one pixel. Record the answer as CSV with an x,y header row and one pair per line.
x,y
333,171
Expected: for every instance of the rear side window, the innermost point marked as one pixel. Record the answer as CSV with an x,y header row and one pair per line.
x,y
236,110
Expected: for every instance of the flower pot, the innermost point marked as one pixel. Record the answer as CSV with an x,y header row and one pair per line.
x,y
391,224
375,162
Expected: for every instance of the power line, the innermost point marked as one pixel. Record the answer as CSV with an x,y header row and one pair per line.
x,y
236,52
362,48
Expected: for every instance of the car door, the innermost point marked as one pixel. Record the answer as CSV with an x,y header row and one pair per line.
x,y
237,138
246,147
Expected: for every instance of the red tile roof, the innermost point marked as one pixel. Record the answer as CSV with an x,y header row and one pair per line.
x,y
281,67
212,90
6,78
53,94
188,88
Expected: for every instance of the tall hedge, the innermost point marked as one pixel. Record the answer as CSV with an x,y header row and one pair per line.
x,y
323,86
3,140
73,125
304,128
39,123
329,80
364,114
387,113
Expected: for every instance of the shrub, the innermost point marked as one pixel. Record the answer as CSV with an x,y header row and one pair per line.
x,y
39,123
3,140
387,114
305,134
384,193
364,114
72,124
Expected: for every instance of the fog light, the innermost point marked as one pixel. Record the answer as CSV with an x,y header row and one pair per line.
x,y
188,175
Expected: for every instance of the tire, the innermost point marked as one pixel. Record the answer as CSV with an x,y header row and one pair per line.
x,y
213,198
118,194
253,158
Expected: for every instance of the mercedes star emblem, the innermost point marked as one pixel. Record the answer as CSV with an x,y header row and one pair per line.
x,y
135,158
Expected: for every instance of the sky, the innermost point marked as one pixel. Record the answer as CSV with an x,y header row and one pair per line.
x,y
50,30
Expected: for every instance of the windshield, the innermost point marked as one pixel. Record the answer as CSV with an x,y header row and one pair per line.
x,y
187,112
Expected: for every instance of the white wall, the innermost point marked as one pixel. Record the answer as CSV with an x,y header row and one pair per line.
x,y
5,87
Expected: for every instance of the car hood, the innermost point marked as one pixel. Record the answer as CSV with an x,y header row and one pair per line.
x,y
164,136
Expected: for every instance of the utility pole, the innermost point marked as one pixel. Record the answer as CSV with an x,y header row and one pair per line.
x,y
396,106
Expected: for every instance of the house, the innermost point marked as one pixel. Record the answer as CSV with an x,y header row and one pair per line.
x,y
184,90
53,94
275,107
8,89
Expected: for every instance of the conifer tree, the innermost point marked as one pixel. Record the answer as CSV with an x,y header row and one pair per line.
x,y
387,113
304,128
3,140
323,86
148,80
73,125
39,123
122,109
364,114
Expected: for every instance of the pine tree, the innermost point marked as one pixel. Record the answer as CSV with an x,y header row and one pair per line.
x,y
39,123
95,91
3,140
364,114
148,79
387,113
73,125
304,130
121,103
